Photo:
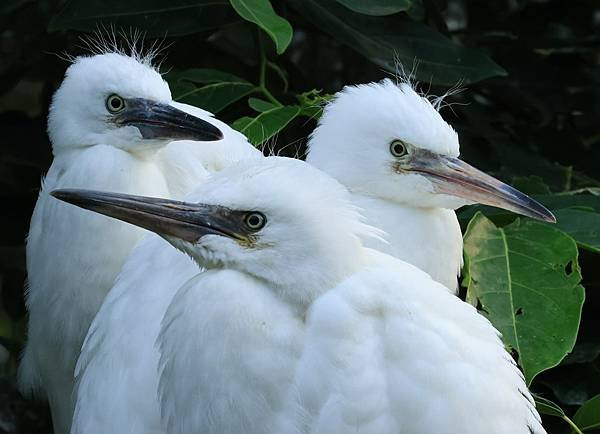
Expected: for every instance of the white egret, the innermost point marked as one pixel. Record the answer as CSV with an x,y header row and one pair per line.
x,y
119,358
295,327
391,148
117,371
109,123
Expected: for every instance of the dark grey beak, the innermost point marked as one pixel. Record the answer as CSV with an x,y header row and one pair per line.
x,y
454,177
157,120
185,221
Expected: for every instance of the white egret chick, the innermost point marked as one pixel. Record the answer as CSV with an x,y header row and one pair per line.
x,y
295,327
108,122
117,371
391,148
246,186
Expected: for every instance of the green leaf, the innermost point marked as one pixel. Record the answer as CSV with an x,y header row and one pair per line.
x,y
581,224
569,200
545,406
525,278
154,17
377,7
577,214
313,102
417,10
261,13
210,89
530,185
384,39
588,415
267,124
260,105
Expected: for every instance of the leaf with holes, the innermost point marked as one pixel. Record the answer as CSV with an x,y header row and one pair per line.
x,y
154,17
210,89
525,279
261,13
267,124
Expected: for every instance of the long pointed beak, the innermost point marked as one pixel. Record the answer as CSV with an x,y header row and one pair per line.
x,y
157,120
454,177
185,221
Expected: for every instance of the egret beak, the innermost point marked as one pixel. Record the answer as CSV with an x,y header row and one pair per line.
x,y
170,218
157,120
454,177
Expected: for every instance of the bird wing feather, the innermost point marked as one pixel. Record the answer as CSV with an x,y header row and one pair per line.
x,y
228,347
117,371
391,351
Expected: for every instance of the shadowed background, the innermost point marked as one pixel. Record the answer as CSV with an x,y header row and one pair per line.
x,y
530,113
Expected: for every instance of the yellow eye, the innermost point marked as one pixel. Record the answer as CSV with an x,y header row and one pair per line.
x,y
255,221
114,103
398,148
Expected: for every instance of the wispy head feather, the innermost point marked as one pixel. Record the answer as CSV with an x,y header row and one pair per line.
x,y
132,43
402,76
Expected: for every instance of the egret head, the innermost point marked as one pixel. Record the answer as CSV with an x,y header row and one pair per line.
x,y
385,140
275,218
118,100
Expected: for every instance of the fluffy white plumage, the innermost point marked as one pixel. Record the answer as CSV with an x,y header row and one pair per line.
x,y
74,256
389,351
411,195
305,331
351,143
384,349
117,372
118,366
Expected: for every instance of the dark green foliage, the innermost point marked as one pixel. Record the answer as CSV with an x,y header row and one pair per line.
x,y
530,116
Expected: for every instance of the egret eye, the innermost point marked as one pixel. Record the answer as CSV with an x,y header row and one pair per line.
x,y
255,220
114,103
398,148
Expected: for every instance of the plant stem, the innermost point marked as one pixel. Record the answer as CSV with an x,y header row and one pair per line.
x,y
572,424
262,79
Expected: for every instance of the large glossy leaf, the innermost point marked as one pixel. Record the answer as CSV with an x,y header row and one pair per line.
x,y
385,39
210,89
525,278
155,17
377,7
267,124
588,415
261,13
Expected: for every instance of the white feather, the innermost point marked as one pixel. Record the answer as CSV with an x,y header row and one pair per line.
x,y
390,351
73,256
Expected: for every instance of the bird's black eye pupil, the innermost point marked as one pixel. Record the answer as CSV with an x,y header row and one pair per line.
x,y
398,148
255,221
115,103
